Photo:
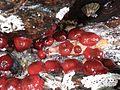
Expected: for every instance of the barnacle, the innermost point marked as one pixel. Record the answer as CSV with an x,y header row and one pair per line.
x,y
91,9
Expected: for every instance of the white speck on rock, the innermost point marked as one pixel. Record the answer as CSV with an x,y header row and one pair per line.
x,y
99,81
2,54
62,12
11,23
63,82
67,83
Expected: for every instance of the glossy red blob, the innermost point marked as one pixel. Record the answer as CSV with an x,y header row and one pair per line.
x,y
41,54
3,42
11,84
51,31
65,48
6,62
2,81
53,66
32,82
110,64
89,39
90,53
94,67
35,68
48,41
60,36
77,49
38,44
75,34
22,43
71,65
